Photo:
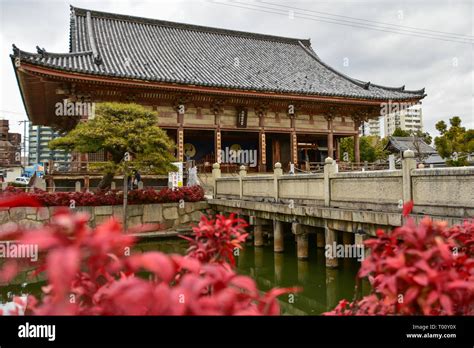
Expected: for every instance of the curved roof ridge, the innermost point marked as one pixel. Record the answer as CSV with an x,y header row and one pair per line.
x,y
76,11
18,52
316,57
360,83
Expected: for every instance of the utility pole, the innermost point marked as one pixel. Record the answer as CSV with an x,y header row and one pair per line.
x,y
25,122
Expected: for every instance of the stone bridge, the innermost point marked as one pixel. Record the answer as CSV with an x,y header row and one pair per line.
x,y
343,208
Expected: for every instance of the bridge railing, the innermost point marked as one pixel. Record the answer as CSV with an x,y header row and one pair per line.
x,y
439,191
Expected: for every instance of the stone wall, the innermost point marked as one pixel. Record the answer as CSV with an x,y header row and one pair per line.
x,y
169,215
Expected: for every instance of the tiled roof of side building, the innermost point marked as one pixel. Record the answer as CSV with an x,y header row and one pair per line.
x,y
408,143
122,46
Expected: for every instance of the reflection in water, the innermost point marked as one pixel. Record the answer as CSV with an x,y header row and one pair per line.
x,y
322,288
278,269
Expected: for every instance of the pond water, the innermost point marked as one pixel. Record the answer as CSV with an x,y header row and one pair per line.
x,y
322,287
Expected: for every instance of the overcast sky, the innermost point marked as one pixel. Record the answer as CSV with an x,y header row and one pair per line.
x,y
444,68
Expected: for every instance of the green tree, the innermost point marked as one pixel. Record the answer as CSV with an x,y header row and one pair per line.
x,y
398,132
118,129
425,136
371,148
454,144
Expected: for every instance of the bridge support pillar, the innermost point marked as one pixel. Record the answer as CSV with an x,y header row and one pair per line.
x,y
301,240
278,237
302,246
359,241
258,229
258,235
330,253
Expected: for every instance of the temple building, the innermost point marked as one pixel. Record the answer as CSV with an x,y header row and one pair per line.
x,y
213,89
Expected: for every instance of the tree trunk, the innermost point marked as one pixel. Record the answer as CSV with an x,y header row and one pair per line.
x,y
106,181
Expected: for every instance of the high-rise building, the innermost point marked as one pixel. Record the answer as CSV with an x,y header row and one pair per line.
x,y
10,145
408,119
39,152
372,127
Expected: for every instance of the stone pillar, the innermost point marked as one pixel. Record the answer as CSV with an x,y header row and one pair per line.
x,y
357,147
302,246
359,239
113,186
278,237
301,240
320,240
331,240
77,187
216,173
258,235
277,172
329,168
242,174
408,164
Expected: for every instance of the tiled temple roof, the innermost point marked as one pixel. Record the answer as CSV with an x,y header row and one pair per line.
x,y
401,144
122,46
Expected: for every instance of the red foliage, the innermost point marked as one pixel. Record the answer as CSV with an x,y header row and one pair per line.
x,y
418,270
90,272
215,240
145,196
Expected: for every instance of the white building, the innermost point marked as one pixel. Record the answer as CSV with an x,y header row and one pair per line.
x,y
372,127
409,119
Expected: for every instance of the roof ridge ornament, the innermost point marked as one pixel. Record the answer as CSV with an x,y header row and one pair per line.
x,y
41,51
90,36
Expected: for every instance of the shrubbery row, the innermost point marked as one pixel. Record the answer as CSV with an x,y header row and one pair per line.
x,y
114,197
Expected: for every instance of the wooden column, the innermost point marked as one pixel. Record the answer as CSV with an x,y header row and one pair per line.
x,y
216,108
180,142
294,147
330,137
217,145
262,161
358,118
357,147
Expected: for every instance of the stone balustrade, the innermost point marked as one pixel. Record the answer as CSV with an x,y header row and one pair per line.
x,y
445,192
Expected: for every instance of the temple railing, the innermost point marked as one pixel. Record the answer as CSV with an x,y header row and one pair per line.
x,y
435,191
